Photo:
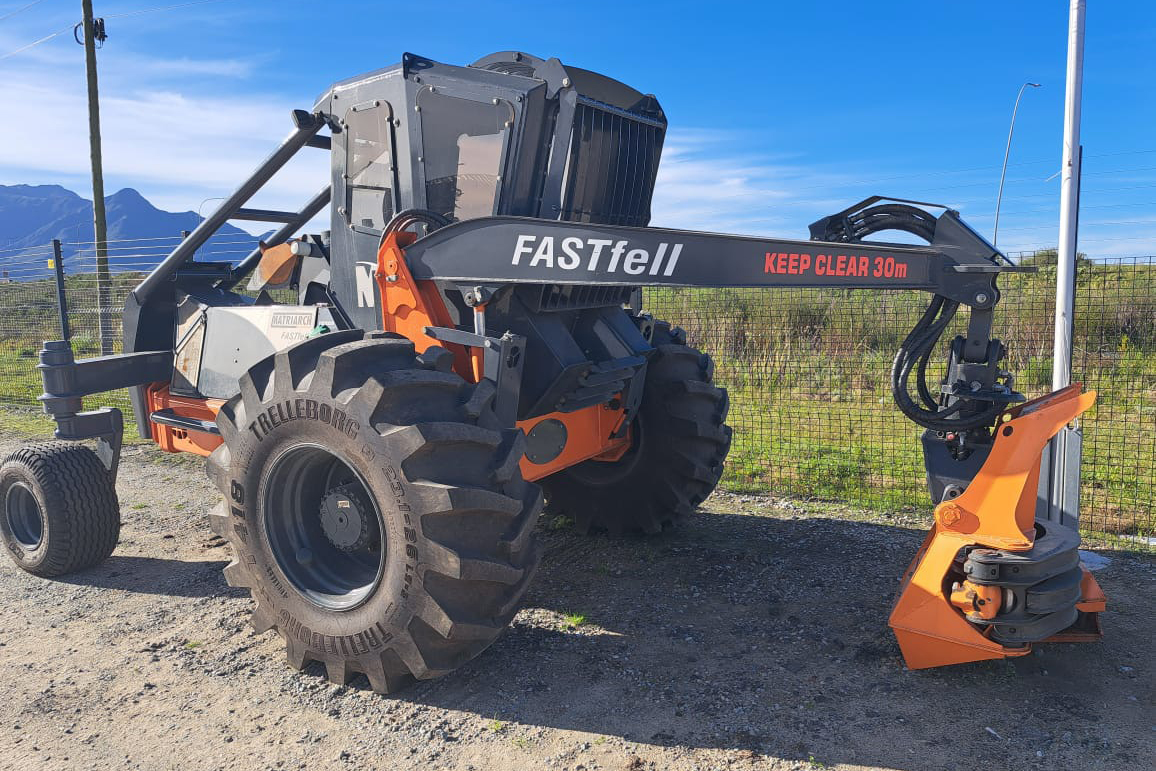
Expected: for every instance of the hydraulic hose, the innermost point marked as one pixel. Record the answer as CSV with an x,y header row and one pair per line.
x,y
915,352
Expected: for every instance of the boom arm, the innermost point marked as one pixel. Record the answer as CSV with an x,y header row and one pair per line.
x,y
958,265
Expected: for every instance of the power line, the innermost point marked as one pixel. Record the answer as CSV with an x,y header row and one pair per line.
x,y
20,10
35,43
46,38
160,8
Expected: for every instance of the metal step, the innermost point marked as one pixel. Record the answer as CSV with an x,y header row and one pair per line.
x,y
170,418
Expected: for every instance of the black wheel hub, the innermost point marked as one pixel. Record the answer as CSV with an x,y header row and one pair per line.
x,y
347,519
323,527
25,520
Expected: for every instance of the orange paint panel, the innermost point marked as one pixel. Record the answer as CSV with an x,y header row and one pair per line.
x,y
409,306
997,511
277,263
587,436
173,439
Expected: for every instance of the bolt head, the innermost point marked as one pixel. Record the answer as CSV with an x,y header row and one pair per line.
x,y
949,515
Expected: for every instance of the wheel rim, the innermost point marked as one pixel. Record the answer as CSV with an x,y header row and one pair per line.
x,y
25,519
323,527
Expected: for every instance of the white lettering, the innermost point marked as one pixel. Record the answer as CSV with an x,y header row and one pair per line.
x,y
599,244
570,258
570,253
363,282
545,253
523,247
635,261
615,255
677,250
654,266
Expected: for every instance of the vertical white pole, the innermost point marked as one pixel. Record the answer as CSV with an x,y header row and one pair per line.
x,y
1060,485
1069,200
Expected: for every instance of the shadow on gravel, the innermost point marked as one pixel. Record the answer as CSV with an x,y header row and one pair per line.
x,y
769,636
152,575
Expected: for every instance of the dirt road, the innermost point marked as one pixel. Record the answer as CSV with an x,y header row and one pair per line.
x,y
755,637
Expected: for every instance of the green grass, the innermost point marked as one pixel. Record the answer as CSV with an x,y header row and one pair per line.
x,y
573,620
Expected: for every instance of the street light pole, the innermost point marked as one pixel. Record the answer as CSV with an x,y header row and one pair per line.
x,y
1069,199
1066,448
1007,151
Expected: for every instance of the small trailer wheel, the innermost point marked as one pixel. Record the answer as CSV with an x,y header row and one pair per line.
x,y
60,511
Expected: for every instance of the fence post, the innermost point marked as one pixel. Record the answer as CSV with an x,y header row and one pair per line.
x,y
61,298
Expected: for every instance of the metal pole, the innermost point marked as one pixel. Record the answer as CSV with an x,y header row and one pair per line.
x,y
1069,201
61,300
1007,151
1060,486
208,226
103,279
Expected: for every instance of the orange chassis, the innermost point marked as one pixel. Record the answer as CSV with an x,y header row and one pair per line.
x,y
408,307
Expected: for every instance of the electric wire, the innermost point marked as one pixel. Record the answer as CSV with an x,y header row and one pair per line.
x,y
158,8
10,14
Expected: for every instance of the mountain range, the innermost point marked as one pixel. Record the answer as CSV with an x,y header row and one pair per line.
x,y
31,216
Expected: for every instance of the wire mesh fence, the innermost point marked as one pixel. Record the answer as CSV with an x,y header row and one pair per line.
x,y
28,312
807,370
95,297
808,375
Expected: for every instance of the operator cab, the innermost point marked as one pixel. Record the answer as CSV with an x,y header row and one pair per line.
x,y
511,134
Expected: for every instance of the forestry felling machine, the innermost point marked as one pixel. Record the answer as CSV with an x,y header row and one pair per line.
x,y
466,343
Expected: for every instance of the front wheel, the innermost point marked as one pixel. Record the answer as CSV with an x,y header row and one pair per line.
x,y
374,507
679,442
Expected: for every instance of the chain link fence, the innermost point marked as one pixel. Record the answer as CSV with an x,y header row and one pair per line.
x,y
808,371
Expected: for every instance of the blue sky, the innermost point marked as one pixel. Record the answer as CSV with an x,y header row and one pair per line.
x,y
780,112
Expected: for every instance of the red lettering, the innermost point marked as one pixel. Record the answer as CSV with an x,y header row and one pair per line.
x,y
769,265
841,265
781,263
863,266
793,264
804,262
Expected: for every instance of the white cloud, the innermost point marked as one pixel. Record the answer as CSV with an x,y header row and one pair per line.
x,y
709,180
178,130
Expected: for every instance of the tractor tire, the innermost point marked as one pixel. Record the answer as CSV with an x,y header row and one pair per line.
x,y
61,513
374,507
680,442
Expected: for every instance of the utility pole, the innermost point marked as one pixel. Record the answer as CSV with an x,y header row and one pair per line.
x,y
94,30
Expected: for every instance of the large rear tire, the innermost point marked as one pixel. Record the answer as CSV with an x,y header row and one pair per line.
x,y
680,441
375,508
60,512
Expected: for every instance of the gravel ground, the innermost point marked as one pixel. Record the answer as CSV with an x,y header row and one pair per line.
x,y
754,637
